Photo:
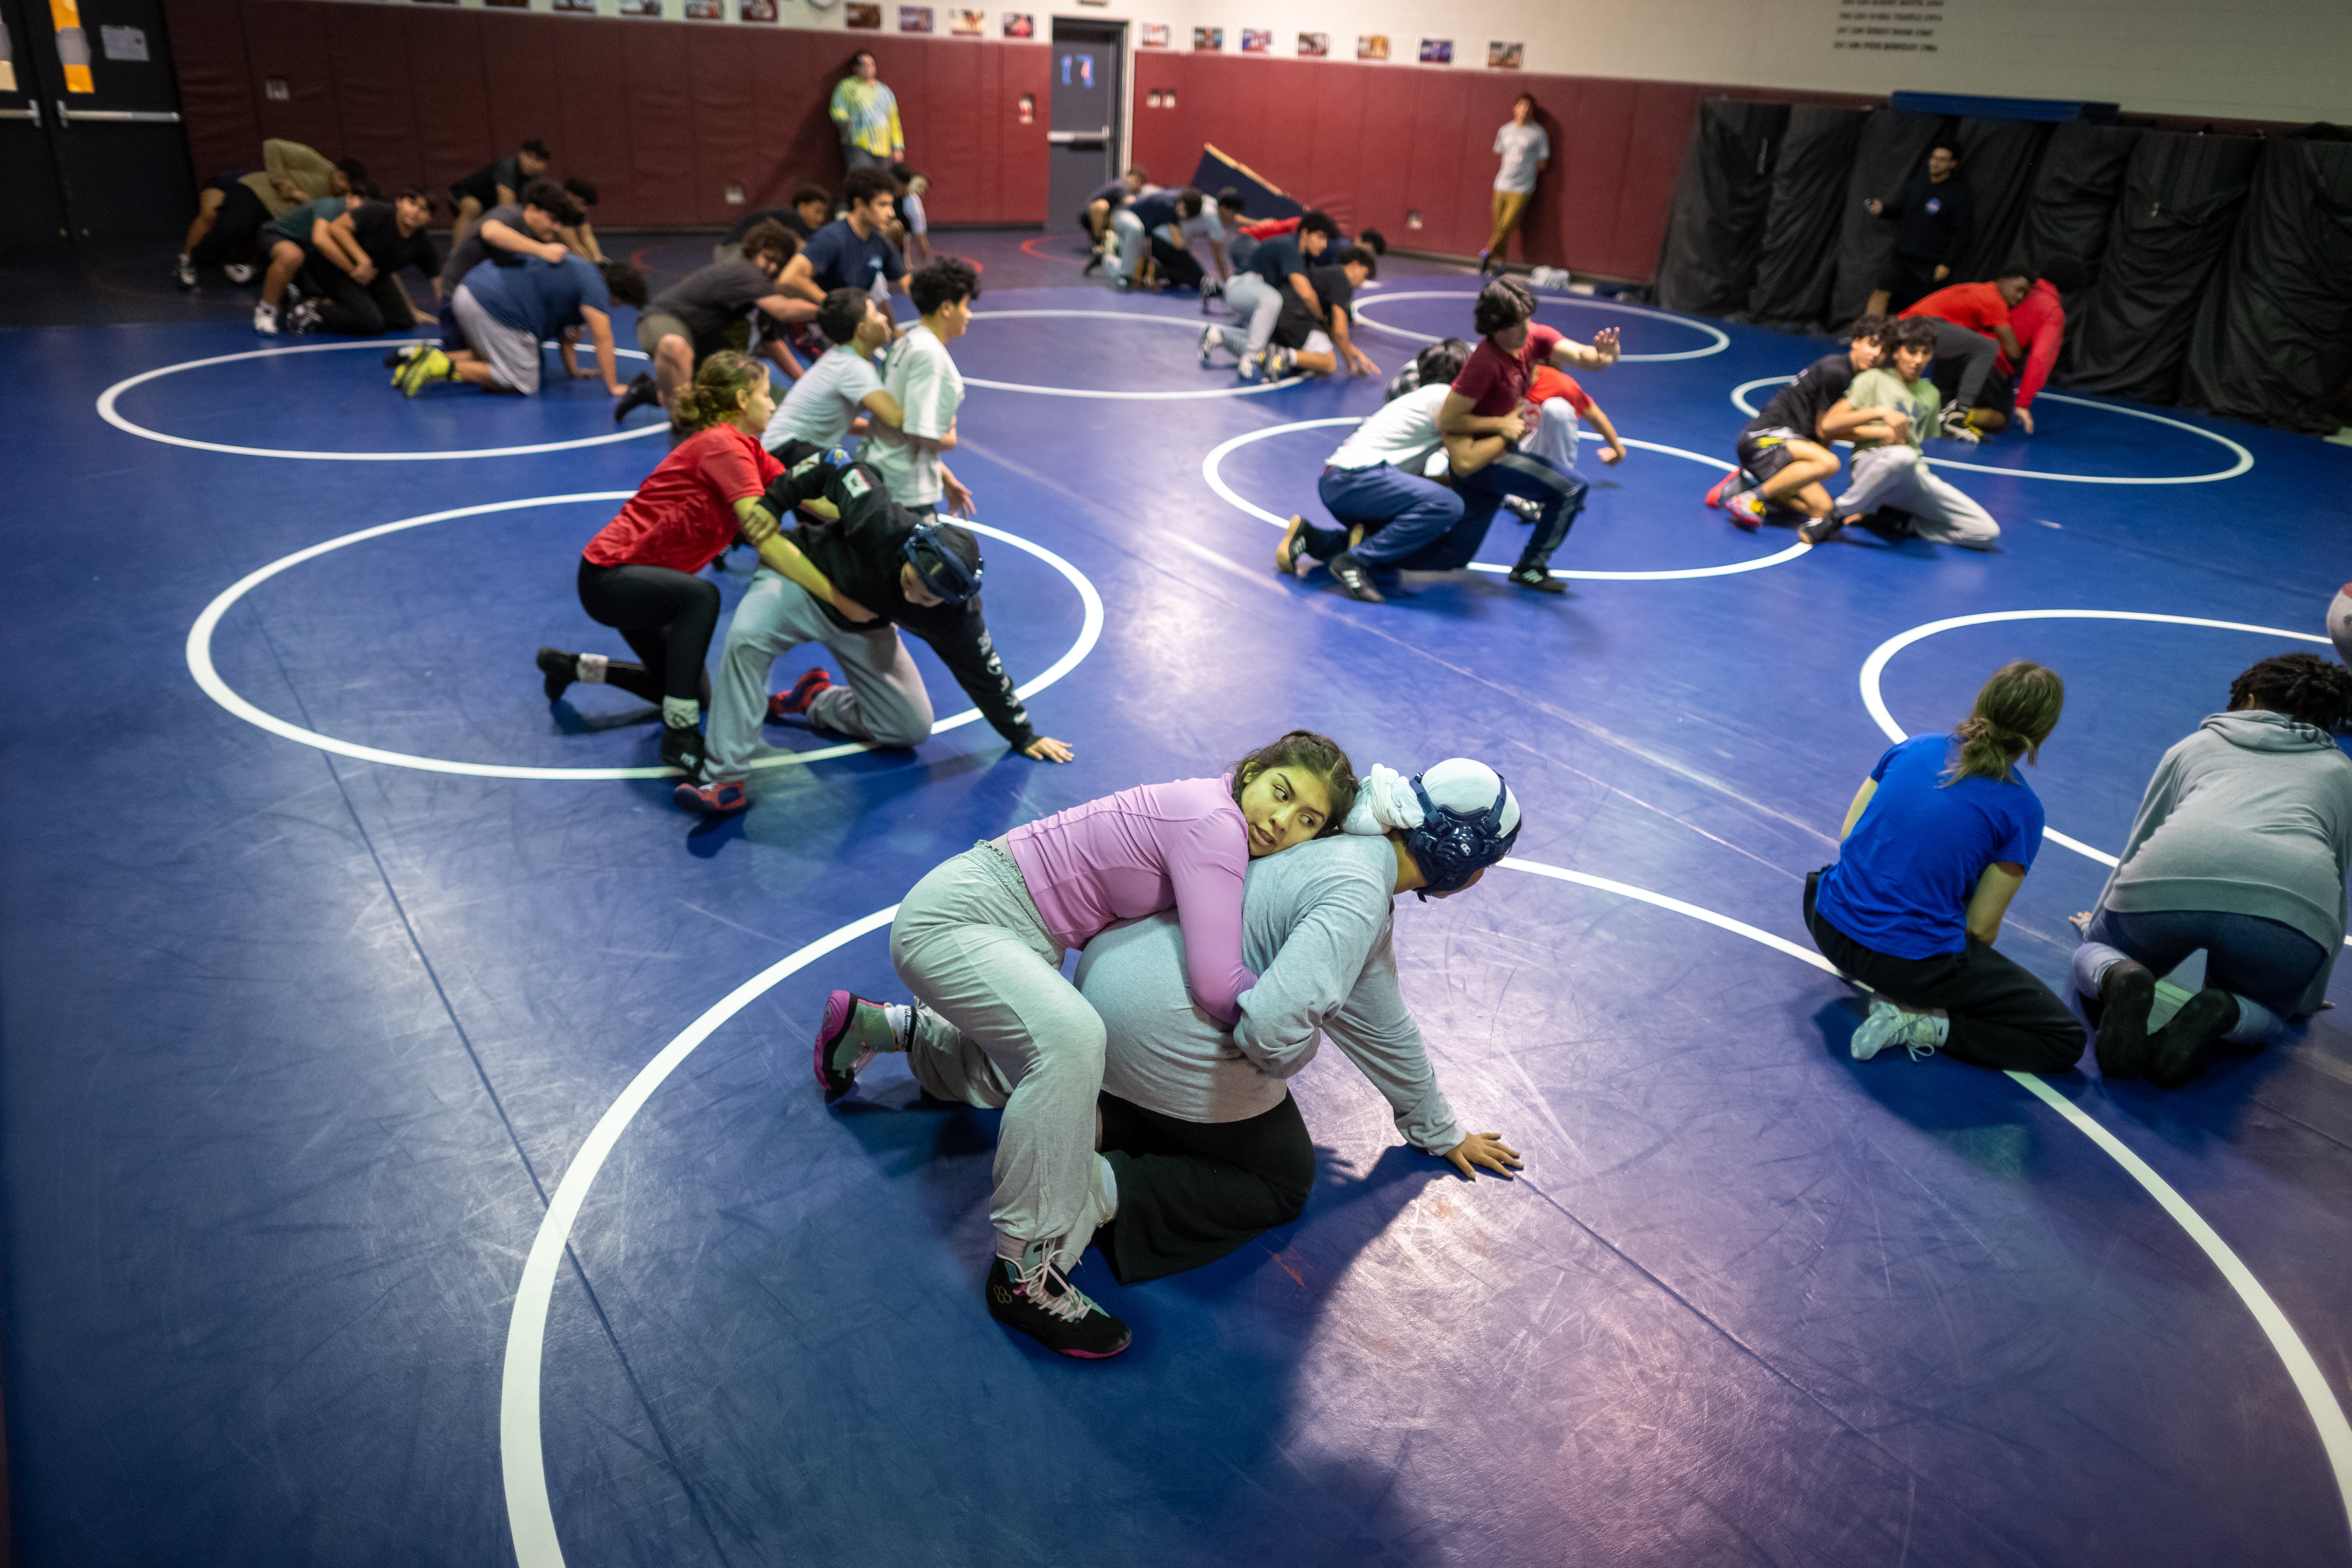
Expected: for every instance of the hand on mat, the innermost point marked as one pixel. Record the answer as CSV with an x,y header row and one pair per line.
x,y
2025,420
1485,1149
958,496
1359,364
1613,453
1045,749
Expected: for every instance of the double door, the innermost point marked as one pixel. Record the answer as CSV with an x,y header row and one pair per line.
x,y
91,145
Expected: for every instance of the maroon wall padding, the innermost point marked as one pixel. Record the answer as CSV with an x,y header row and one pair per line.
x,y
662,116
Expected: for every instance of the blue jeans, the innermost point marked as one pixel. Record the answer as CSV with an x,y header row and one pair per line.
x,y
1401,512
1559,494
2266,965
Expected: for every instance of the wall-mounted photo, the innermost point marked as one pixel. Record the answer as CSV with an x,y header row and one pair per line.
x,y
580,7
1208,40
1315,45
1506,57
968,24
865,17
1438,52
706,10
509,4
1257,40
758,10
1374,46
640,7
1153,36
914,19
1020,25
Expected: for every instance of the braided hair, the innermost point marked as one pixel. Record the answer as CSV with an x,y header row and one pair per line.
x,y
2014,713
2302,686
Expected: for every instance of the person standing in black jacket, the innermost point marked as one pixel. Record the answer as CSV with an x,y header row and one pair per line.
x,y
910,571
1934,218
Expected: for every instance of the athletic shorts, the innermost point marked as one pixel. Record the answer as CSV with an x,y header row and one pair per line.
x,y
513,353
229,179
659,324
1764,451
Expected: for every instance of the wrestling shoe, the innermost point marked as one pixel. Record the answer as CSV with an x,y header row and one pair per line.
x,y
1954,425
1209,337
429,364
1280,364
2176,1051
1286,554
1921,1034
681,748
1536,577
1353,577
643,390
1528,507
1253,367
264,320
558,670
794,704
1035,1298
2126,992
1211,292
184,271
851,1033
238,271
724,798
1745,511
1094,263
1814,530
401,357
303,319
1730,485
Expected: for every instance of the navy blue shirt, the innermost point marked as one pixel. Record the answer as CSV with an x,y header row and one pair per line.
x,y
541,298
1156,210
1275,259
1905,874
839,259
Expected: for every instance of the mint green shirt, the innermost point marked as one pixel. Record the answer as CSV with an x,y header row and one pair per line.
x,y
1881,388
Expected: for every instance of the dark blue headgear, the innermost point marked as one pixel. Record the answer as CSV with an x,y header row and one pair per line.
x,y
942,570
1452,847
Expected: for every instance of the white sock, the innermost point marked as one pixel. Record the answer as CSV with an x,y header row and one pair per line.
x,y
1110,1191
901,1019
591,668
1010,1248
680,712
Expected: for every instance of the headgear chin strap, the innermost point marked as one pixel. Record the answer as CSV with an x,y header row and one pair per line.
x,y
1452,847
941,570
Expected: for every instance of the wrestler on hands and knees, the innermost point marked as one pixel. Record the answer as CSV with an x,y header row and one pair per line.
x,y
894,568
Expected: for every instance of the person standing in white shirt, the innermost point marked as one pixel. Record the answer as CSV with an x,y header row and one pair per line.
x,y
824,404
923,378
1526,149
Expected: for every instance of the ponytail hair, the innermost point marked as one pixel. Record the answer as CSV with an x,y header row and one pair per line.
x,y
2013,715
718,389
2302,686
1308,753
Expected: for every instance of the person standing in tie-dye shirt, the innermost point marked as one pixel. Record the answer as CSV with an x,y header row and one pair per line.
x,y
866,114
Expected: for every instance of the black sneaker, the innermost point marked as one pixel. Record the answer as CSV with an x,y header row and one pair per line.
x,y
1351,576
642,390
681,748
1094,263
402,355
1034,1297
1813,530
2125,993
1537,578
560,668
2176,1051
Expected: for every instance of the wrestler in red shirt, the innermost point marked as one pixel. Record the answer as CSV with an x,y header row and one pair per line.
x,y
2038,324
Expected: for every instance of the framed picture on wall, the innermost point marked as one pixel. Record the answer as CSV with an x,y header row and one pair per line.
x,y
640,7
1257,40
1506,57
861,15
580,7
1438,52
1314,46
1208,40
968,24
914,19
509,4
706,10
1020,25
1153,36
757,10
1373,47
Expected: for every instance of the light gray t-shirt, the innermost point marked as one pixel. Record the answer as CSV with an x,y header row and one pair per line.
x,y
1521,147
1316,927
923,378
1402,434
825,401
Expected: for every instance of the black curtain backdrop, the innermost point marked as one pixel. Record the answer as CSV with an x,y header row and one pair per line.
x,y
2073,202
1707,261
1797,262
2182,195
2273,336
1998,159
1892,147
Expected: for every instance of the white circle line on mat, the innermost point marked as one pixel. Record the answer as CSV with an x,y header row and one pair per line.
x,y
1238,389
208,677
1875,665
522,1456
114,416
1211,465
2245,460
1722,338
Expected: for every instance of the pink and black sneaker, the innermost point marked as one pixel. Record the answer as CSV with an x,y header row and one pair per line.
x,y
1029,1294
794,704
1723,487
854,1029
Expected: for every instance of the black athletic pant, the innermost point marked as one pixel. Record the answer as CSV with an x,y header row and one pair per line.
x,y
667,617
1179,268
1190,1192
1969,356
1908,279
2002,1017
350,306
235,226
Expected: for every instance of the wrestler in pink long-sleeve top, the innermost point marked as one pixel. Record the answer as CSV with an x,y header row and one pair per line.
x,y
980,942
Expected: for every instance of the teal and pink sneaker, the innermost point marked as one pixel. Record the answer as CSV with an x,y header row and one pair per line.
x,y
854,1029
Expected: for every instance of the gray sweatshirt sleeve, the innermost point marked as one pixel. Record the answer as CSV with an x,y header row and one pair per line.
x,y
1376,1031
1309,979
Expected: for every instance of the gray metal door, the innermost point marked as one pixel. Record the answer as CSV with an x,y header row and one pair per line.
x,y
1083,139
32,205
96,115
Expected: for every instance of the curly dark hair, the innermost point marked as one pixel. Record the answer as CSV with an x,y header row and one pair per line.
x,y
1308,753
944,282
1502,305
2302,686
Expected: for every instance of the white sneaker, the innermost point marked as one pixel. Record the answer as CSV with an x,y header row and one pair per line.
x,y
1878,1031
1251,367
238,271
1208,336
184,271
264,320
1921,1034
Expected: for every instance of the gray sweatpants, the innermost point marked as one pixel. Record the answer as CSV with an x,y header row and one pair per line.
x,y
1975,352
1256,302
883,699
999,1029
1899,476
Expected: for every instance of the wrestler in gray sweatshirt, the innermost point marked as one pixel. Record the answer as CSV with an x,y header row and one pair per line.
x,y
1316,927
2249,815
